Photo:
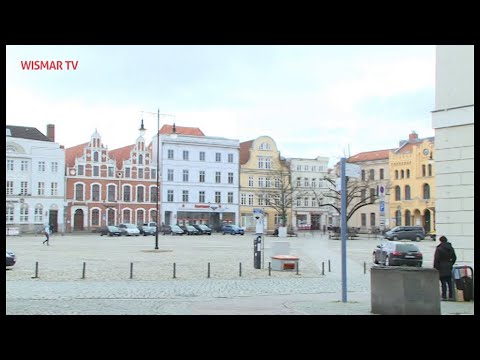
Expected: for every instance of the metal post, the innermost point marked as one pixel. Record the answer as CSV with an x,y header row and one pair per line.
x,y
297,262
158,180
329,268
240,270
269,268
343,214
131,270
323,268
364,267
174,270
83,270
36,269
208,271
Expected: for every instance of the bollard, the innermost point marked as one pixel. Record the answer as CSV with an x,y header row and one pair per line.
x,y
240,270
208,271
131,270
36,270
323,268
269,268
174,270
329,269
364,267
297,266
83,270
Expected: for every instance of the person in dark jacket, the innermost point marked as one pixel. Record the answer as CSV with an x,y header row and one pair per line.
x,y
443,261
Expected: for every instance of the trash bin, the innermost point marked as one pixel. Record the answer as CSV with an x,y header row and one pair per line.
x,y
462,281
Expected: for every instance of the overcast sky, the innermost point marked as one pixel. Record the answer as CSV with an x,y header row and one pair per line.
x,y
312,100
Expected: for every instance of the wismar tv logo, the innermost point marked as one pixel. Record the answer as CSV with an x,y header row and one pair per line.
x,y
49,65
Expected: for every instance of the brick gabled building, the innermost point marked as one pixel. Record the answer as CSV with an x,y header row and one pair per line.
x,y
110,187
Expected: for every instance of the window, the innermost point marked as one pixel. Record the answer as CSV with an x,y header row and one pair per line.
x,y
170,175
218,157
250,181
202,156
426,191
38,214
260,182
185,195
80,169
10,188
277,182
230,158
218,177
363,194
111,193
54,189
201,196
305,202
202,176
408,173
24,166
140,216
429,169
314,168
140,159
79,192
264,146
397,193
305,182
305,168
10,165
41,166
95,217
372,219
111,170
381,174
268,164
407,192
372,195
407,218
260,200
424,172
396,174
170,195
260,162
95,156
299,181
170,154
140,193
402,174
126,216
250,199
267,182
243,199
299,167
314,202
364,220
9,213
23,188
185,154
153,173
96,171
398,218
230,178
140,173
363,175
24,213
230,197
95,192
185,175
299,201
126,192
153,194
218,197
372,174
314,183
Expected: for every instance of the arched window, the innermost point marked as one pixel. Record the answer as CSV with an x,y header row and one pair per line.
x,y
140,193
408,173
140,216
95,217
402,174
426,191
111,193
127,216
140,159
95,156
396,174
126,193
38,214
24,213
407,218
95,192
153,194
10,212
79,192
407,192
398,196
398,218
424,172
429,169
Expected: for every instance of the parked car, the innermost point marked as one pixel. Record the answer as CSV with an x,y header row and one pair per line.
x,y
203,229
232,230
397,253
129,229
189,230
11,258
148,228
110,231
171,230
414,233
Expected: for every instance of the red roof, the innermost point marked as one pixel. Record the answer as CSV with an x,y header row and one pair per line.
x,y
121,154
74,152
369,156
168,129
245,151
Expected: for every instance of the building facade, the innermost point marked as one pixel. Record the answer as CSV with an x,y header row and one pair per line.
x,y
199,176
309,186
453,121
412,183
34,179
109,187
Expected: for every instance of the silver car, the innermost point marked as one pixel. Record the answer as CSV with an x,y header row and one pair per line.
x,y
11,258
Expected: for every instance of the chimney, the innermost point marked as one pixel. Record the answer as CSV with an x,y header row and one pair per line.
x,y
51,132
413,136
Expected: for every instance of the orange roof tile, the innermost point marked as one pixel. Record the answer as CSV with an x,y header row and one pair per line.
x,y
369,156
72,153
121,154
245,151
183,130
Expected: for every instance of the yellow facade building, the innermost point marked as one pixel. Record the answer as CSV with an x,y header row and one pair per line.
x,y
412,180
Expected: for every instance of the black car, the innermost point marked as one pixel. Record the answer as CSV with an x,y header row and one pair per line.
x,y
189,230
397,253
414,233
110,231
171,230
11,258
203,229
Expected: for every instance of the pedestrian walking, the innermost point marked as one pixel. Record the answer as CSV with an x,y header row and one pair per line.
x,y
46,232
443,261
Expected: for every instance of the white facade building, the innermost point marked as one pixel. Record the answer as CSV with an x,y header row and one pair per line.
x,y
199,179
35,182
453,121
309,186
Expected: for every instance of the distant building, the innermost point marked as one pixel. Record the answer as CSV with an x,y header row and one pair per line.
x,y
34,179
453,121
